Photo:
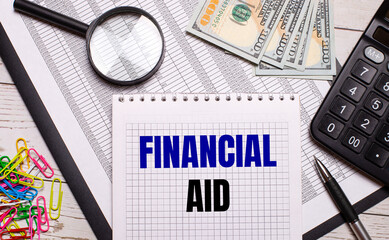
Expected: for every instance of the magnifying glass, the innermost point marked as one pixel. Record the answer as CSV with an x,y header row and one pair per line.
x,y
125,45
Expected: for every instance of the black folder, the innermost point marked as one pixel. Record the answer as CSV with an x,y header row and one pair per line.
x,y
53,139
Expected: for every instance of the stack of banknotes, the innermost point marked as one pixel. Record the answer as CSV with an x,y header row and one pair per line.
x,y
293,38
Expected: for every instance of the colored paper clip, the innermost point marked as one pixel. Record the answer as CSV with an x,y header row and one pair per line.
x,y
15,203
30,177
11,193
2,160
5,215
25,181
24,212
23,232
3,164
13,225
32,215
31,226
25,146
28,194
17,184
40,157
11,165
59,203
32,169
13,178
46,221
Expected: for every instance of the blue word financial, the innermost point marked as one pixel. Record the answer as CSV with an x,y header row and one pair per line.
x,y
205,151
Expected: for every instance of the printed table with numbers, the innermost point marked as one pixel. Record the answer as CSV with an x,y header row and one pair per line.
x,y
351,18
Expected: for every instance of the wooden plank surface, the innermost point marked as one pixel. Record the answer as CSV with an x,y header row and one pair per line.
x,y
16,122
4,76
351,18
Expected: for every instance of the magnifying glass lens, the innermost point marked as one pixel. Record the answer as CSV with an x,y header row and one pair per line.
x,y
126,46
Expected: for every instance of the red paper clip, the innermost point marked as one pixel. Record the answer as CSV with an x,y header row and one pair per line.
x,y
46,165
17,230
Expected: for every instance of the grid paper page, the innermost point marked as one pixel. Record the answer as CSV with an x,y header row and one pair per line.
x,y
264,202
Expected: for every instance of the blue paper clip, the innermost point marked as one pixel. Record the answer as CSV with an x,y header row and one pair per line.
x,y
28,194
11,193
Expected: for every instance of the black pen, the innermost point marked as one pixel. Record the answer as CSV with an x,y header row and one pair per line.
x,y
341,201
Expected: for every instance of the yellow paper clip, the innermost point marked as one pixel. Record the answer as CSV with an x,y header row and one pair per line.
x,y
59,203
13,225
26,150
8,168
32,177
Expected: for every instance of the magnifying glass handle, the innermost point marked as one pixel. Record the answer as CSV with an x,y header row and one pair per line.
x,y
40,12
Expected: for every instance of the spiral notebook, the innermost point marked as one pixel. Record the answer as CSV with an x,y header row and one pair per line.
x,y
206,166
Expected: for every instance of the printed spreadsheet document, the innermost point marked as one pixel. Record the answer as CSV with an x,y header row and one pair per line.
x,y
198,167
76,98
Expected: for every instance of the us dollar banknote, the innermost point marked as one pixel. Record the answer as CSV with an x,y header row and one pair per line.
x,y
299,53
320,58
241,27
303,50
294,50
285,32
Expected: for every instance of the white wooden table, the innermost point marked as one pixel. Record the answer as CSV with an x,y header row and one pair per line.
x,y
351,18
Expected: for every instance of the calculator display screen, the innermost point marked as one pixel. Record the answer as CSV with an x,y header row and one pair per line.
x,y
382,36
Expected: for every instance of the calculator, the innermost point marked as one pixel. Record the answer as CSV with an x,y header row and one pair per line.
x,y
353,120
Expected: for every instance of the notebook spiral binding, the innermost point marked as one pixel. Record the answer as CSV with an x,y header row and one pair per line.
x,y
206,97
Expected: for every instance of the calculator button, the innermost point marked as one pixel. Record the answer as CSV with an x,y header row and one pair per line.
x,y
342,108
354,141
374,54
365,122
331,127
363,71
376,104
383,135
377,155
352,89
383,84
